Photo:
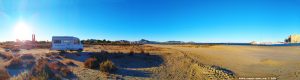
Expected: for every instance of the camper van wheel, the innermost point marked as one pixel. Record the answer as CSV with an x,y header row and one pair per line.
x,y
79,50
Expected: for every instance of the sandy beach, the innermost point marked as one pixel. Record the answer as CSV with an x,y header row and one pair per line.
x,y
168,62
248,61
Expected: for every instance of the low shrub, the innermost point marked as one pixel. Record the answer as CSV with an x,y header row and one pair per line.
x,y
14,63
71,63
4,74
65,71
50,54
142,51
46,70
53,70
27,56
6,55
22,76
15,50
54,66
26,75
42,71
59,68
40,76
91,63
108,66
147,54
100,57
131,53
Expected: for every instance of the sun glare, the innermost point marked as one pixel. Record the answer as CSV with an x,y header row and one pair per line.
x,y
22,31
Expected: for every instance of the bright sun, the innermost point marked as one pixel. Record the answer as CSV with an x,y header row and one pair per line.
x,y
22,31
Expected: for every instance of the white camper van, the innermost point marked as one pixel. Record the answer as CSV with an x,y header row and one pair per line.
x,y
63,43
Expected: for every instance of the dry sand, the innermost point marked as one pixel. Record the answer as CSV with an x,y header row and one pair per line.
x,y
187,62
248,61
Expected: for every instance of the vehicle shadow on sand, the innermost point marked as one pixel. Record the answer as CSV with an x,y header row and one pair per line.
x,y
127,63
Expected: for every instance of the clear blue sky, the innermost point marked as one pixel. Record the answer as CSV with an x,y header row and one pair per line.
x,y
159,20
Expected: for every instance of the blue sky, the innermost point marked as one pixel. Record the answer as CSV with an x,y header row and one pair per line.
x,y
159,20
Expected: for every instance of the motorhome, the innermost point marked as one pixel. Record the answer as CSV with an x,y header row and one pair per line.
x,y
64,43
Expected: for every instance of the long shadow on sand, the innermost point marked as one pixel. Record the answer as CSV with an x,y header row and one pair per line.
x,y
125,62
20,64
135,73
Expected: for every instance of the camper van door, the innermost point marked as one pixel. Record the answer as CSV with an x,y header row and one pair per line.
x,y
76,44
68,44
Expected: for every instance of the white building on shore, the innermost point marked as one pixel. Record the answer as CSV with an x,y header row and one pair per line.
x,y
293,39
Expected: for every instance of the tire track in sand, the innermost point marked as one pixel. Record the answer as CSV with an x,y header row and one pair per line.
x,y
206,72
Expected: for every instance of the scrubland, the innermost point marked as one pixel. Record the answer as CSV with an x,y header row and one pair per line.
x,y
154,62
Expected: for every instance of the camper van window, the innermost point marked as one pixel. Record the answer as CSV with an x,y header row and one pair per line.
x,y
67,41
76,41
57,41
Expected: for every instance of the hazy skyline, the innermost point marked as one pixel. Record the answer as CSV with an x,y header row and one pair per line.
x,y
158,20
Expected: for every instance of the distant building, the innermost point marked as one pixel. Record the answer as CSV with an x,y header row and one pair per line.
x,y
293,39
26,44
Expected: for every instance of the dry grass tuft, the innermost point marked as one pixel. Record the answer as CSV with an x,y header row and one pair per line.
x,y
27,56
71,63
91,63
4,74
45,70
6,55
108,66
65,71
50,54
42,70
131,53
14,63
59,68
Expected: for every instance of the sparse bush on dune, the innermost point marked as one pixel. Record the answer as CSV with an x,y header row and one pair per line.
x,y
70,63
15,49
100,61
148,54
54,66
41,76
65,71
43,45
102,56
107,66
23,61
14,63
6,55
50,70
131,53
142,51
42,71
3,74
45,70
22,76
59,68
50,54
91,63
27,56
